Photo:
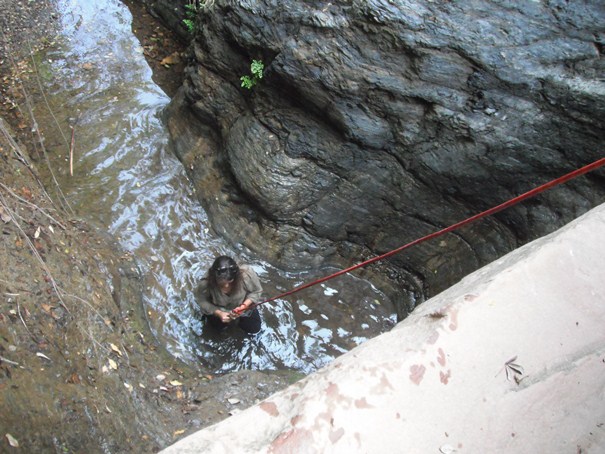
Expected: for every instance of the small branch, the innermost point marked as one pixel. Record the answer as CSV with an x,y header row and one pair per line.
x,y
35,253
13,144
32,205
62,199
8,361
90,306
71,151
23,321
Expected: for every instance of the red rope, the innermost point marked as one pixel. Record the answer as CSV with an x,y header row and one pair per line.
x,y
502,206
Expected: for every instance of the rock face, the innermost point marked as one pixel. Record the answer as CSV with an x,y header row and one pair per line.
x,y
170,13
378,122
511,359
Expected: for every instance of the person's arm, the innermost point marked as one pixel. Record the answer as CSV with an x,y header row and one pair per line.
x,y
203,300
253,289
252,285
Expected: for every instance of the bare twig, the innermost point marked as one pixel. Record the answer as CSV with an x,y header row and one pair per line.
x,y
34,251
13,144
8,361
97,313
35,129
21,157
95,342
33,205
23,321
71,151
62,197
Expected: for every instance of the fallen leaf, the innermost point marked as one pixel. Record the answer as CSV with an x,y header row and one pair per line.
x,y
171,59
39,247
50,227
26,193
178,432
12,441
113,364
74,379
176,383
42,355
160,377
436,315
128,386
512,369
37,234
233,400
5,217
115,349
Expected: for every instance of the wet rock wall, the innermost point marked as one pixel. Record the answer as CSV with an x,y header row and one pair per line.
x,y
378,122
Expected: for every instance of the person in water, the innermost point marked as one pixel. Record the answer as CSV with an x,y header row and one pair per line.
x,y
227,291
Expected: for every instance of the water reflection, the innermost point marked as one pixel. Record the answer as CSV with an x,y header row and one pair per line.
x,y
127,180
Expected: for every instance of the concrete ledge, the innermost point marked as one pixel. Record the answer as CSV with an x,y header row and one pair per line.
x,y
509,360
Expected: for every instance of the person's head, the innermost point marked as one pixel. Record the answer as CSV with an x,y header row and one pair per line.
x,y
224,270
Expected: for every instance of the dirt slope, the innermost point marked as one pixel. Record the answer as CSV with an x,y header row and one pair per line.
x,y
79,369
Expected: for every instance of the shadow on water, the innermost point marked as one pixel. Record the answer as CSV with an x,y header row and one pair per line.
x,y
128,181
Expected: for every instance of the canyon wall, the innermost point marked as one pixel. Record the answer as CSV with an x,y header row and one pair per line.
x,y
377,122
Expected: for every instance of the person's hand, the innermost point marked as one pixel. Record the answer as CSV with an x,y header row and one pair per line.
x,y
242,307
225,317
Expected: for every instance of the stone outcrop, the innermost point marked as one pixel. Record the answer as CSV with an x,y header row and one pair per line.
x,y
171,14
377,122
511,359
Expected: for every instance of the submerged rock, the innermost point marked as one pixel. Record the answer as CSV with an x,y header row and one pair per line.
x,y
378,122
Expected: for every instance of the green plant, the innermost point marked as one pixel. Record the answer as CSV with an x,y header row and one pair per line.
x,y
256,73
190,13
